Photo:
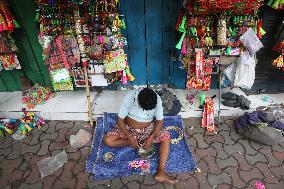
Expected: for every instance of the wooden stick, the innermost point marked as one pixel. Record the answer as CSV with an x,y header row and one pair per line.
x,y
90,112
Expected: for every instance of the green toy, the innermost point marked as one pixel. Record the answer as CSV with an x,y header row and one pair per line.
x,y
202,97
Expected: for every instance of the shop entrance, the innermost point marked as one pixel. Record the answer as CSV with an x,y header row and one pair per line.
x,y
151,40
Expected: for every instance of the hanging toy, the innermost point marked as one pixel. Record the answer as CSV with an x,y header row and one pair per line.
x,y
179,45
278,62
128,73
222,32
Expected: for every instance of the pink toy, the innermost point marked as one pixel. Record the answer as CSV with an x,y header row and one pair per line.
x,y
143,164
259,185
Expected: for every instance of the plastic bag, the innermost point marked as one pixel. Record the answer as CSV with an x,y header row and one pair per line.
x,y
49,165
80,139
245,72
250,40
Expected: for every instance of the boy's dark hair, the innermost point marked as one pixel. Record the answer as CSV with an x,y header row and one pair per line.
x,y
147,99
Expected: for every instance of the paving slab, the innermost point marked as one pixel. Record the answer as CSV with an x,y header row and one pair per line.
x,y
226,160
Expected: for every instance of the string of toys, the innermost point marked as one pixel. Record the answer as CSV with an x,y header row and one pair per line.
x,y
23,127
8,49
101,41
213,29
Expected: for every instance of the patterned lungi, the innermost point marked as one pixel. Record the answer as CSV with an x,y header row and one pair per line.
x,y
141,134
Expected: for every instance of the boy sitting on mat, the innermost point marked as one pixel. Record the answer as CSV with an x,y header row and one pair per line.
x,y
140,123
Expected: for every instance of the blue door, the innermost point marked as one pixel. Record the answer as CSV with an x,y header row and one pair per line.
x,y
151,39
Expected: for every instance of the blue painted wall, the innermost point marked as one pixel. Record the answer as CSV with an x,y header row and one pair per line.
x,y
151,34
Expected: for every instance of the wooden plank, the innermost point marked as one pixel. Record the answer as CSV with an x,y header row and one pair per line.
x,y
178,76
9,81
3,87
135,21
25,12
154,41
169,9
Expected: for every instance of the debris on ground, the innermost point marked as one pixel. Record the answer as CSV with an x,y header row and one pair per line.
x,y
80,139
49,165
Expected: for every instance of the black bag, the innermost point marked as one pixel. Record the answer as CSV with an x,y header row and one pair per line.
x,y
171,104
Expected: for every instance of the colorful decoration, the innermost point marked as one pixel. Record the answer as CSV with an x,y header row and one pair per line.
x,y
178,130
276,4
61,80
208,115
7,20
8,50
37,95
6,126
28,122
142,164
227,6
96,27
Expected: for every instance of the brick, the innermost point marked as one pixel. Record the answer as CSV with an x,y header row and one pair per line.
x,y
206,152
192,142
202,179
200,141
202,165
5,152
138,178
67,171
236,180
224,186
272,161
277,148
63,184
6,142
191,130
242,162
34,175
215,180
16,175
61,135
156,186
23,166
214,138
64,124
227,138
235,136
184,184
212,165
4,177
221,154
58,146
149,180
28,156
32,149
15,163
254,173
278,172
51,127
278,185
69,133
116,183
279,155
78,168
133,184
229,162
268,175
256,145
74,156
26,174
43,148
256,158
224,127
182,176
31,186
231,149
33,138
48,136
16,151
248,149
84,154
81,180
